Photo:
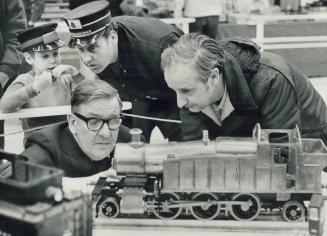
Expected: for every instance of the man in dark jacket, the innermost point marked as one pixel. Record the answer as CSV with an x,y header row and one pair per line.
x,y
228,86
125,51
12,21
85,145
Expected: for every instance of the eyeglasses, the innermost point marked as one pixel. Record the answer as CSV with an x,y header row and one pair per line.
x,y
96,124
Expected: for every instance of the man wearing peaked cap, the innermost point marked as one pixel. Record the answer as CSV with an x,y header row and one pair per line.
x,y
125,51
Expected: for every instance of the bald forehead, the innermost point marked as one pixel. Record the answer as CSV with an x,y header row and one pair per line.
x,y
100,105
178,71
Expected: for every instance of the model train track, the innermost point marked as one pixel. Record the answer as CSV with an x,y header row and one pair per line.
x,y
262,226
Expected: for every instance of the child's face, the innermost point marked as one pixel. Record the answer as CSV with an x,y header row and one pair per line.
x,y
41,61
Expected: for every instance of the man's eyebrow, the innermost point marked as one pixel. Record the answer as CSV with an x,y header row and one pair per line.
x,y
94,115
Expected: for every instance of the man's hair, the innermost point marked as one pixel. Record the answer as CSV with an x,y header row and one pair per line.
x,y
199,50
113,26
90,90
31,52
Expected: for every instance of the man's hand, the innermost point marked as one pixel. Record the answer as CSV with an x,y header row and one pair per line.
x,y
86,72
65,72
42,81
3,79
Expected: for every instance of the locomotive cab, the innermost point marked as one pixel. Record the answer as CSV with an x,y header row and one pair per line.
x,y
299,161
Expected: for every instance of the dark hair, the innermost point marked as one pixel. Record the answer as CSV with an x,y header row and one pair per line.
x,y
89,90
113,26
199,50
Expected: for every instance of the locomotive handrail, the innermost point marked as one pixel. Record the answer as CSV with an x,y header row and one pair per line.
x,y
221,156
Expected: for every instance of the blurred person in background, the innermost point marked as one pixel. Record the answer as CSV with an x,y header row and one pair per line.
x,y
206,14
12,21
130,8
114,6
34,10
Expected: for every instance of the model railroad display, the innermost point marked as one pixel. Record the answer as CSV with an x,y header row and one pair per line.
x,y
274,169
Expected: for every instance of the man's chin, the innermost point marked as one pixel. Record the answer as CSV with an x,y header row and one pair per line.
x,y
101,154
96,69
97,158
194,109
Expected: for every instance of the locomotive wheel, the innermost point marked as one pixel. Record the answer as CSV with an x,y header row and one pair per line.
x,y
293,211
109,207
206,212
246,212
164,200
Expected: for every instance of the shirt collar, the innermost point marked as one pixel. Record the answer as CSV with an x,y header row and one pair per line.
x,y
218,113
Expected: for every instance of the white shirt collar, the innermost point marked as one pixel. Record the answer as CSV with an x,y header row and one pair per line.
x,y
218,113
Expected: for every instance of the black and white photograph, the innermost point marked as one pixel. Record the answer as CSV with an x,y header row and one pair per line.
x,y
158,117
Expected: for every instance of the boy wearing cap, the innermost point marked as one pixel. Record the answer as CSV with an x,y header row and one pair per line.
x,y
47,84
125,52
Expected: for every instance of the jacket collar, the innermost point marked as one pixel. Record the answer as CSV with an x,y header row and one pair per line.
x,y
237,86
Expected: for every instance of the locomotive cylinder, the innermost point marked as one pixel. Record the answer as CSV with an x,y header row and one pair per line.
x,y
149,158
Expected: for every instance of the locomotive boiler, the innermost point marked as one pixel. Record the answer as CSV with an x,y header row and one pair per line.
x,y
273,169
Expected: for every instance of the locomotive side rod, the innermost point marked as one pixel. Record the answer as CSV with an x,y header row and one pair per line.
x,y
178,204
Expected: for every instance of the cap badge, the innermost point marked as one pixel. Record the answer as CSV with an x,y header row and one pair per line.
x,y
74,24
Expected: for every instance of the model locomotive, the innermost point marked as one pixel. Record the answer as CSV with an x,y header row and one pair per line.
x,y
274,169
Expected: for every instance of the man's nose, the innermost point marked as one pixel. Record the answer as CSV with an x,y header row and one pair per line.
x,y
181,101
53,59
105,131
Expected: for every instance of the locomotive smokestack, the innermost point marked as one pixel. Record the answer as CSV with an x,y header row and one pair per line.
x,y
136,137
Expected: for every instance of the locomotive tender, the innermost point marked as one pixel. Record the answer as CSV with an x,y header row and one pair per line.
x,y
274,169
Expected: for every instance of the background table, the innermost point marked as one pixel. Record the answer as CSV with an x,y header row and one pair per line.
x,y
310,61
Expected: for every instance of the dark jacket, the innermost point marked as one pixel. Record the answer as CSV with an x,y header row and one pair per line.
x,y
137,74
55,146
263,88
12,21
114,6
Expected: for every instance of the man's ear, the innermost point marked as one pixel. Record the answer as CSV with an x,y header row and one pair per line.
x,y
72,123
28,58
214,78
113,36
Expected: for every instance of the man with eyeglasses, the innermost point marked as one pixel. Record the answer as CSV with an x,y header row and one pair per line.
x,y
84,145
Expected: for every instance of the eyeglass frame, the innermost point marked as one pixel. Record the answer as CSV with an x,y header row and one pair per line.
x,y
87,119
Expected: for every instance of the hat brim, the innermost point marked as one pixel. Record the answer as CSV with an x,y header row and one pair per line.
x,y
82,42
46,47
